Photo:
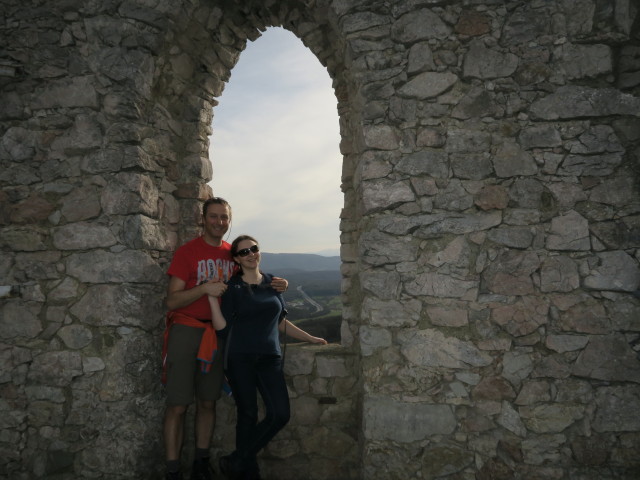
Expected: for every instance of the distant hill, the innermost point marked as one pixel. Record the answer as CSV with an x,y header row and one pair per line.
x,y
313,297
279,263
320,283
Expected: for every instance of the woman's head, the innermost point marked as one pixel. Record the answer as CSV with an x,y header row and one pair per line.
x,y
235,245
246,251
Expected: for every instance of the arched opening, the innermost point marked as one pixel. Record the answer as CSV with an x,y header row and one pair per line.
x,y
275,158
323,389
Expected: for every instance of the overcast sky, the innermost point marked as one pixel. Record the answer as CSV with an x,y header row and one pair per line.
x,y
275,148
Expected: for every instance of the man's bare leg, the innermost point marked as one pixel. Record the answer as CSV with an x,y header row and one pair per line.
x,y
205,423
173,431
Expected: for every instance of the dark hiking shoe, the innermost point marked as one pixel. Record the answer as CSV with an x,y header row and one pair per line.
x,y
202,470
173,475
227,468
252,475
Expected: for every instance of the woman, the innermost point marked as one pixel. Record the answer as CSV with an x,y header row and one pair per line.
x,y
251,314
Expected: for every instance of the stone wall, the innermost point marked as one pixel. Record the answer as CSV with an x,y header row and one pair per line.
x,y
489,238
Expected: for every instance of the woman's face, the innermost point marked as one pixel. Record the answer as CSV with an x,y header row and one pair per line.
x,y
248,254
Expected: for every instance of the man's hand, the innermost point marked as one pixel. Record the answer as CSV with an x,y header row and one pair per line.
x,y
179,297
214,288
280,285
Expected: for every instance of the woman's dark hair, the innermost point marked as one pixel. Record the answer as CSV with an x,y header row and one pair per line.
x,y
215,200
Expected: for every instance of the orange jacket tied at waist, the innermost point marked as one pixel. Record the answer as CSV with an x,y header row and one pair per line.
x,y
208,343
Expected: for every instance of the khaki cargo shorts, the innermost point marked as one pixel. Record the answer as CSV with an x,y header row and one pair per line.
x,y
185,380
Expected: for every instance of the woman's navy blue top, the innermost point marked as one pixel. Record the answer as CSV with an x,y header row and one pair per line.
x,y
253,313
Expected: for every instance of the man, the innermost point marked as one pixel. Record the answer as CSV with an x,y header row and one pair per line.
x,y
191,366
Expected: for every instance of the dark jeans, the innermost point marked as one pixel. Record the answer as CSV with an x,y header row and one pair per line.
x,y
249,374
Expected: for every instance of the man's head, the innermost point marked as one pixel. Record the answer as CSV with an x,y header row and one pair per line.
x,y
216,219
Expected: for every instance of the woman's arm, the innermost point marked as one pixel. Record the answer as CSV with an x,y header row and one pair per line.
x,y
217,318
299,334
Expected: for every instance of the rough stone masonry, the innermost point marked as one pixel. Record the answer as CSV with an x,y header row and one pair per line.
x,y
490,234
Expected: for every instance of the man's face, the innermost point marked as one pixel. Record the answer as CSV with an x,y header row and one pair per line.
x,y
216,222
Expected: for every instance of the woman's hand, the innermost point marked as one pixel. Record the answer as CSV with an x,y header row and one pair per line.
x,y
319,340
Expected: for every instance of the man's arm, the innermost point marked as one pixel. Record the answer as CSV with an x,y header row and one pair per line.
x,y
179,297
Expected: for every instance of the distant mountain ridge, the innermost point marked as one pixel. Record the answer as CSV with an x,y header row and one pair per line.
x,y
298,262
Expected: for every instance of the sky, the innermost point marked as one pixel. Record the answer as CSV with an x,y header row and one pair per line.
x,y
275,148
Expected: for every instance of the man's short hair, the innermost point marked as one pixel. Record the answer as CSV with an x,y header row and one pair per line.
x,y
215,200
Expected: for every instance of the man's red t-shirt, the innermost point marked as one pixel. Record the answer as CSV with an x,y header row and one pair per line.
x,y
196,262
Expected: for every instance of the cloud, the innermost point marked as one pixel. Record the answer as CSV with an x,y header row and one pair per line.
x,y
275,147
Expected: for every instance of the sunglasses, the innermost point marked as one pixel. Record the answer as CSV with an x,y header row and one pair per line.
x,y
246,251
